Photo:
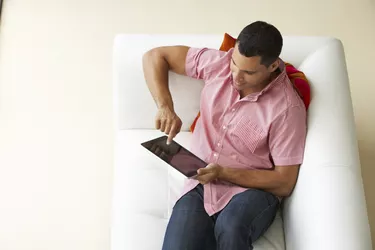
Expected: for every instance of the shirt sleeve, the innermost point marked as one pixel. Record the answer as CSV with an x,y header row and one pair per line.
x,y
199,62
287,137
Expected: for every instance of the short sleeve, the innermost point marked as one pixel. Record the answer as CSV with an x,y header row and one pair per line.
x,y
199,62
287,137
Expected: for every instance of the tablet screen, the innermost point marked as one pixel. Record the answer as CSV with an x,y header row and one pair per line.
x,y
175,155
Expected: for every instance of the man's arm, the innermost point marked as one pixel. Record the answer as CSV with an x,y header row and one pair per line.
x,y
156,64
280,181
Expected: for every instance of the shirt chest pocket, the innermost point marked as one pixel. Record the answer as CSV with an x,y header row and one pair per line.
x,y
247,135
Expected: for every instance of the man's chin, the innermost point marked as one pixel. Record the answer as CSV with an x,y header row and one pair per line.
x,y
238,87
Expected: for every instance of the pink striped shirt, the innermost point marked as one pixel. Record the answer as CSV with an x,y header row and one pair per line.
x,y
256,132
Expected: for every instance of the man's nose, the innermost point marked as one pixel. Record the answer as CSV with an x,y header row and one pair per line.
x,y
238,77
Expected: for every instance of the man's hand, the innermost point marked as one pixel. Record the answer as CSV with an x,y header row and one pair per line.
x,y
209,173
168,122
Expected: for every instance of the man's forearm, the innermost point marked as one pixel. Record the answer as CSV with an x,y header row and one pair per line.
x,y
268,180
155,70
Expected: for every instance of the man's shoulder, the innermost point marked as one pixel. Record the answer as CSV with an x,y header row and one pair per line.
x,y
282,100
209,56
284,95
212,62
209,51
204,63
291,94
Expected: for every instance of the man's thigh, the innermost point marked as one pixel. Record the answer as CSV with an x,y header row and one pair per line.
x,y
250,212
190,227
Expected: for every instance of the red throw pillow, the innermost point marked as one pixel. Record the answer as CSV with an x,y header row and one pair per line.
x,y
297,78
300,83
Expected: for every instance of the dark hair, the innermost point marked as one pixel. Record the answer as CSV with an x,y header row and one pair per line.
x,y
260,39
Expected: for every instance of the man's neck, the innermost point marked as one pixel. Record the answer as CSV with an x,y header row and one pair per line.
x,y
259,88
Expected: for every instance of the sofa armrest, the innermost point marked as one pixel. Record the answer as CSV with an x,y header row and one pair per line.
x,y
327,209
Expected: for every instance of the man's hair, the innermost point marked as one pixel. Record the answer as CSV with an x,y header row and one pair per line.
x,y
260,39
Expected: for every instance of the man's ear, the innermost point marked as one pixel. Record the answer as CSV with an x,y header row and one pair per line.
x,y
275,65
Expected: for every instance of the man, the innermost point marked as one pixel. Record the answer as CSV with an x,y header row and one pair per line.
x,y
252,132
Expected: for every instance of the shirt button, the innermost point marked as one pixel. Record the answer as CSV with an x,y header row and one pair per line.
x,y
224,127
215,154
219,144
233,110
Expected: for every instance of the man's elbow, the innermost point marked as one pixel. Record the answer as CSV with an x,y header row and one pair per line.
x,y
286,189
284,192
151,55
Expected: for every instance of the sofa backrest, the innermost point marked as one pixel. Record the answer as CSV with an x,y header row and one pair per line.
x,y
134,106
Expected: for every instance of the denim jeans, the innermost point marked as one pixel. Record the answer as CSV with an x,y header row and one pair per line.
x,y
246,217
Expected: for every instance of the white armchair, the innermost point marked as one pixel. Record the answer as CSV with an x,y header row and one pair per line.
x,y
327,210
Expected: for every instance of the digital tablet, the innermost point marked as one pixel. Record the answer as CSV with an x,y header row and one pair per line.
x,y
175,155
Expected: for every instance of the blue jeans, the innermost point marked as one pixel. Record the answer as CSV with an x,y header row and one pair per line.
x,y
246,217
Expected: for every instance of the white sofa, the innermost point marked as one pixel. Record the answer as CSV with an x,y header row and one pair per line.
x,y
327,210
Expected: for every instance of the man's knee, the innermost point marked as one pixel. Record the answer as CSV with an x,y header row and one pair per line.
x,y
230,226
191,201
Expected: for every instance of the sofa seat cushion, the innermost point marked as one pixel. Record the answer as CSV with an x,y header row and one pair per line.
x,y
145,191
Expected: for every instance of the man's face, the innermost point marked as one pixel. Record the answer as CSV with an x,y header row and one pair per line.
x,y
248,72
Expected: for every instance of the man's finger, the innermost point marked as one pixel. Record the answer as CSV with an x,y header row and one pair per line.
x,y
211,165
203,180
168,126
162,126
203,171
179,129
157,124
172,133
169,140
